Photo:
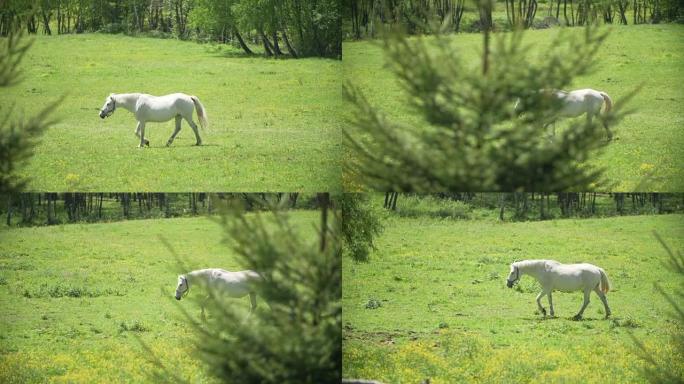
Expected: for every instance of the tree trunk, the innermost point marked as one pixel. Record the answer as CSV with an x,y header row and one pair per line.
x,y
242,42
9,210
276,47
290,49
323,202
46,23
268,47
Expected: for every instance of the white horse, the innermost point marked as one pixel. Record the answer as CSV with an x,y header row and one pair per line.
x,y
553,275
157,109
221,282
580,102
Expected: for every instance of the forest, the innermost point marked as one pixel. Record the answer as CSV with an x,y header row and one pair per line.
x,y
31,209
292,28
527,206
365,18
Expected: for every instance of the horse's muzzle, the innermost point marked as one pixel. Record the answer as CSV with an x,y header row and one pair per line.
x,y
177,298
509,284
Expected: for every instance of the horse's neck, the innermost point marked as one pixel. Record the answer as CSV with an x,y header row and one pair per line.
x,y
201,274
531,268
127,100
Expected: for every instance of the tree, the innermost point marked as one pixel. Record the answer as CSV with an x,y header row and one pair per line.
x,y
359,226
470,138
299,338
17,138
666,367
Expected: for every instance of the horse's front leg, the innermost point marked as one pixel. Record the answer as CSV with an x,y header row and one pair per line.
x,y
541,309
175,131
137,134
141,128
550,305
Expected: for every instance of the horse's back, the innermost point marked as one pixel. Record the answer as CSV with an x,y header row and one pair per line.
x,y
571,277
238,276
163,108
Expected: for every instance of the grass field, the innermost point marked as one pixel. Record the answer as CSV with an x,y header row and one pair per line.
x,y
75,296
648,148
273,123
433,303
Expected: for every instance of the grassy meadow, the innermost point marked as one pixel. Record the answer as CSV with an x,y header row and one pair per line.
x,y
75,298
272,123
648,147
433,302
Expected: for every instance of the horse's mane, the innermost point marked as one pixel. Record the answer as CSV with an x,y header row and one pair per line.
x,y
529,263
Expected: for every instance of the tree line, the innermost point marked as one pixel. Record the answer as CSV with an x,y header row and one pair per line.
x,y
25,209
542,206
366,17
294,28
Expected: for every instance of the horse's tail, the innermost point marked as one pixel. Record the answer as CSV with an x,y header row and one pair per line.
x,y
608,100
605,283
201,112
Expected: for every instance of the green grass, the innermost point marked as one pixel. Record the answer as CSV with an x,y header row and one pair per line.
x,y
648,147
75,297
273,123
433,303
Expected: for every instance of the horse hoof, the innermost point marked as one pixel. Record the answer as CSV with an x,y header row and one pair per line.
x,y
577,317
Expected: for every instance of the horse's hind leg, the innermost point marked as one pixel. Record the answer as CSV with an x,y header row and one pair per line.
x,y
252,300
602,296
578,316
194,129
175,131
202,305
137,133
610,134
541,309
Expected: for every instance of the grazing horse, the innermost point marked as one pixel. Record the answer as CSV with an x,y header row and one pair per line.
x,y
157,109
222,282
553,275
579,102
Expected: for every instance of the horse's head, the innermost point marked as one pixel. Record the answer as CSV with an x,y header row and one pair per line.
x,y
513,276
108,107
182,287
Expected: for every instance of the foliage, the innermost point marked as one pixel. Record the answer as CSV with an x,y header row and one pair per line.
x,y
417,205
645,151
86,280
365,17
30,209
315,25
17,137
469,137
358,225
666,367
524,206
298,338
429,271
